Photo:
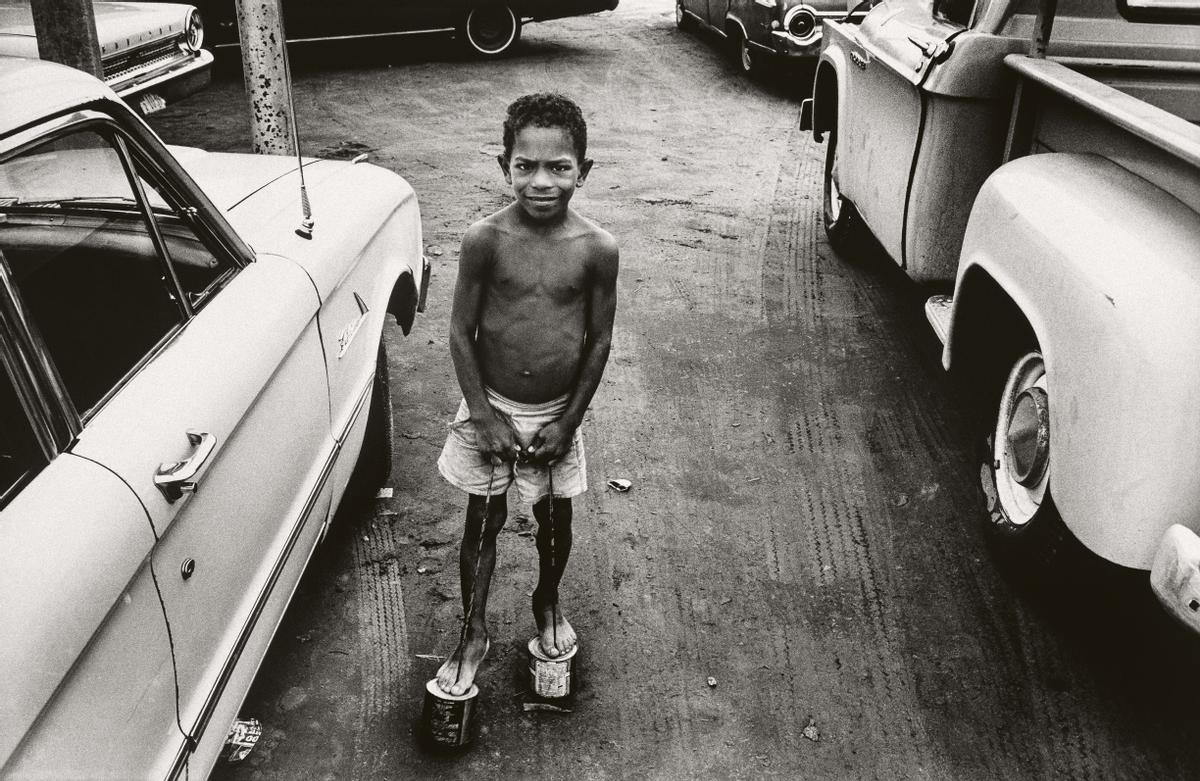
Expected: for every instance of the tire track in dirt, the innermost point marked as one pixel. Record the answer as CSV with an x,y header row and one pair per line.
x,y
383,639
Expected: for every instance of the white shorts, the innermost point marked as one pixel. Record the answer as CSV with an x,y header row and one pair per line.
x,y
463,466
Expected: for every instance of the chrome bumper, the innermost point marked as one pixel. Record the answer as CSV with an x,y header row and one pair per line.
x,y
787,46
173,81
1175,575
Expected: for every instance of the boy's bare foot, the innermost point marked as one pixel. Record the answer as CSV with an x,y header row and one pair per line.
x,y
457,674
556,634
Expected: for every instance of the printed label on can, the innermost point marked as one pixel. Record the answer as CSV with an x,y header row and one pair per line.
x,y
551,679
448,720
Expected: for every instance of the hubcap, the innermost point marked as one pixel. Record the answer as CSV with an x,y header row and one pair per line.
x,y
491,28
747,56
678,13
1029,436
1021,442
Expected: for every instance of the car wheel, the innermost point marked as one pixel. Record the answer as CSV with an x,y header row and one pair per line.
x,y
375,460
748,59
1015,475
843,225
491,30
682,20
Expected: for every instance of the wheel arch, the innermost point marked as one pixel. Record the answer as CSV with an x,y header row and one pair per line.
x,y
1056,254
734,26
828,89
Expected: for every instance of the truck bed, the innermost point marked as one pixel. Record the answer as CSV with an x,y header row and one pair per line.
x,y
1143,116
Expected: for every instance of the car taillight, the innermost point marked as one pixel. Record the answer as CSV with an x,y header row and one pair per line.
x,y
194,35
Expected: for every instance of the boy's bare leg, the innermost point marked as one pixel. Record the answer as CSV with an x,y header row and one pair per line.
x,y
458,672
557,636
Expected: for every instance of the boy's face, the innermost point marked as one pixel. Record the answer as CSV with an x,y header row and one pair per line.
x,y
544,171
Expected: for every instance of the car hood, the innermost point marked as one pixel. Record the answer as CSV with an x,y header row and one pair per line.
x,y
119,26
260,196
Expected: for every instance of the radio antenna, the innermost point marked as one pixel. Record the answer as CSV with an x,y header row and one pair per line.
x,y
305,231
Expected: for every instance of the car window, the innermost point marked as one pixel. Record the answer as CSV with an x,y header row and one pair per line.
x,y
20,457
198,262
84,261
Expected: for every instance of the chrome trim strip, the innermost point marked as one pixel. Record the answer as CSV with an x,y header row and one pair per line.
x,y
351,37
248,627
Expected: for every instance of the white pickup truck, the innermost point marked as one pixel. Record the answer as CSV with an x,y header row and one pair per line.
x,y
1060,190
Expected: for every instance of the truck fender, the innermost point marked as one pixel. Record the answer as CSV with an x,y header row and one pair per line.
x,y
1100,264
829,85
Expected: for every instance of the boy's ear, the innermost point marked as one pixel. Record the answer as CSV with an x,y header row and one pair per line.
x,y
503,161
585,166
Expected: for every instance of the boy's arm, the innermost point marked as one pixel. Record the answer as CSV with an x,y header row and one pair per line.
x,y
553,440
495,436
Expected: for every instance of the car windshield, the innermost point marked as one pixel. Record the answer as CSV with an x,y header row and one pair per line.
x,y
64,175
78,178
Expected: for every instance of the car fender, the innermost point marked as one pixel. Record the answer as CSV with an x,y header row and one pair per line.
x,y
1101,264
732,20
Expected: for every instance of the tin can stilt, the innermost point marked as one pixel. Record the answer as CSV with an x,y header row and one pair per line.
x,y
447,720
552,677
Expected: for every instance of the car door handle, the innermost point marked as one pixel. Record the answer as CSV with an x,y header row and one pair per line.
x,y
176,478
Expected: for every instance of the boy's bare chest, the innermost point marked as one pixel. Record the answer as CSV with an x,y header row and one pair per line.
x,y
554,277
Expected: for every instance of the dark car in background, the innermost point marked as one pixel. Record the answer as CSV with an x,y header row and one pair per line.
x,y
762,30
487,28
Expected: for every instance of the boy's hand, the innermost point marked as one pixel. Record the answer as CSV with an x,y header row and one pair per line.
x,y
550,443
497,440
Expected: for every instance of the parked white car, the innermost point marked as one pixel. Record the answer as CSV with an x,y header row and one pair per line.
x,y
186,387
151,52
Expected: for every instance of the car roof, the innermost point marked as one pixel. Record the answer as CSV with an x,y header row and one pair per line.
x,y
32,89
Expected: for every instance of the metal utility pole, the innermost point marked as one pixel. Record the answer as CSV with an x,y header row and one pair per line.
x,y
66,33
268,83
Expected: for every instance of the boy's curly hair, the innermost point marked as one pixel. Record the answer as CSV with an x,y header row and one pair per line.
x,y
545,109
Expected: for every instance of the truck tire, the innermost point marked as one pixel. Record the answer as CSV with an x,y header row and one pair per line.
x,y
374,464
1022,521
491,29
843,226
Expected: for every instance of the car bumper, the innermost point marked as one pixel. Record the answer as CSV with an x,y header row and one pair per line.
x,y
785,45
1175,575
171,83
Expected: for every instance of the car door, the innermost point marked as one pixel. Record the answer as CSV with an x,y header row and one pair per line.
x,y
224,436
88,688
716,10
890,54
200,384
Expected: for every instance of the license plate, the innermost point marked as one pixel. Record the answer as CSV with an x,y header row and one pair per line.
x,y
151,103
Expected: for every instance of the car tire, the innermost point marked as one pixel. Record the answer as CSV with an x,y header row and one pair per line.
x,y
374,465
748,60
491,30
843,226
683,20
1021,519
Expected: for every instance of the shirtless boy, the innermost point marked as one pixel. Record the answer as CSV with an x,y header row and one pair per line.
x,y
530,332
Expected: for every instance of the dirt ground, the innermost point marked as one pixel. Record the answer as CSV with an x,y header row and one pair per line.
x,y
804,523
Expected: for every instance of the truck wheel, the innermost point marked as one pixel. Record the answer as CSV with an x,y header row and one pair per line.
x,y
843,226
491,30
682,20
1015,475
375,459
